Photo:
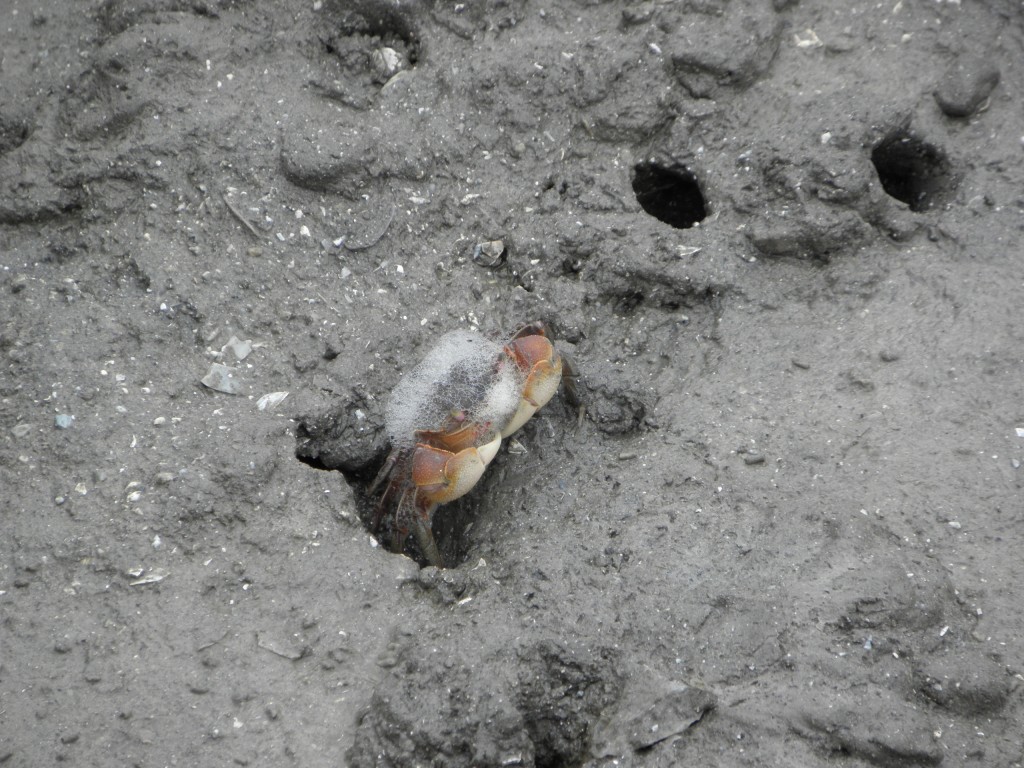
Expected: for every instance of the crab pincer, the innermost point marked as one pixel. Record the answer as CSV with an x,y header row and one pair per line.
x,y
536,357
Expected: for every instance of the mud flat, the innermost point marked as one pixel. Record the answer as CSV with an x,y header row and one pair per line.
x,y
780,241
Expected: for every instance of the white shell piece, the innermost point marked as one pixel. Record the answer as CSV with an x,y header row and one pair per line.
x,y
270,400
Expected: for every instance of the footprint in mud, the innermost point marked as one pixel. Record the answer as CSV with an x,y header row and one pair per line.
x,y
534,704
29,193
728,47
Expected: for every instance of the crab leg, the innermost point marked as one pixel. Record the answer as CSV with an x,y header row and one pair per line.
x,y
417,515
421,520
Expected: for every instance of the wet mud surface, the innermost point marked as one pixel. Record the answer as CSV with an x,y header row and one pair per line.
x,y
779,241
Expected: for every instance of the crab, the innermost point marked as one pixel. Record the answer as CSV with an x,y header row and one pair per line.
x,y
446,419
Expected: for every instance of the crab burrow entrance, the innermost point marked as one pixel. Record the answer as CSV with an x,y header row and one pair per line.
x,y
913,171
444,423
670,194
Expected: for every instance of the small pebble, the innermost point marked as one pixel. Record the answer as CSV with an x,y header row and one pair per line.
x,y
966,85
490,254
753,458
386,63
63,420
159,421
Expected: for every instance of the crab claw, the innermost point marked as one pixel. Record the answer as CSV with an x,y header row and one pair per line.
x,y
441,475
536,357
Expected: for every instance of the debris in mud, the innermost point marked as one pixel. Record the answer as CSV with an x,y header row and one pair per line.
x,y
387,62
490,254
240,349
283,648
966,85
650,714
271,400
153,576
222,378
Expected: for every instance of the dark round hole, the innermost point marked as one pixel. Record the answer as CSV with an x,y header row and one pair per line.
x,y
913,171
671,195
381,24
13,133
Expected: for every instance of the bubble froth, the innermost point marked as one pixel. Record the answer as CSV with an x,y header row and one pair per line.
x,y
464,373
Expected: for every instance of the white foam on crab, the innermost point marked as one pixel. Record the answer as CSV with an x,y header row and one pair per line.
x,y
464,372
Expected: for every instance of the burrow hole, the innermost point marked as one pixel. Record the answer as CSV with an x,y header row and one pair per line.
x,y
670,194
13,133
913,171
331,441
375,36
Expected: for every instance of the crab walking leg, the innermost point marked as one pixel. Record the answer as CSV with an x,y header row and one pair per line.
x,y
401,525
385,471
425,536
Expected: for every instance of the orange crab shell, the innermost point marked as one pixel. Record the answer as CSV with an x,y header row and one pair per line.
x,y
535,356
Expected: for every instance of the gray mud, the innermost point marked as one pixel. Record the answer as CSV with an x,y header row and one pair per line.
x,y
780,242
